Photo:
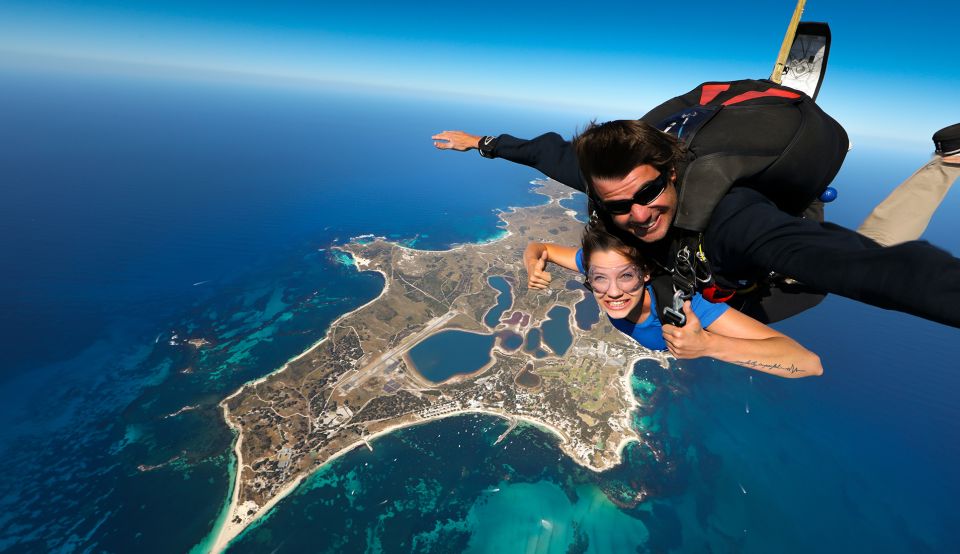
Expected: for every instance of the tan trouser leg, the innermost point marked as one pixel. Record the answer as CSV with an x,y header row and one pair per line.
x,y
905,214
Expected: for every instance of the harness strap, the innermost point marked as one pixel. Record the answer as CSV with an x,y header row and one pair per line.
x,y
686,268
666,300
753,94
685,271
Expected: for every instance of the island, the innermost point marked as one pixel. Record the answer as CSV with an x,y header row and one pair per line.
x,y
452,332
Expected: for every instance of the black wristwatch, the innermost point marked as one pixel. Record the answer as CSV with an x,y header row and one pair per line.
x,y
486,146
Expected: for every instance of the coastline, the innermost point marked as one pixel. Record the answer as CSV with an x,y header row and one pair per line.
x,y
226,526
536,185
228,530
627,390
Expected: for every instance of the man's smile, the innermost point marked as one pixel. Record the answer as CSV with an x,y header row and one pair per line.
x,y
648,222
643,228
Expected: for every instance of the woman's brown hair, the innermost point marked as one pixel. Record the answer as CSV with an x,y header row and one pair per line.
x,y
596,238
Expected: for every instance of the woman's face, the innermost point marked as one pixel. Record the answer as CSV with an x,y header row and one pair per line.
x,y
617,283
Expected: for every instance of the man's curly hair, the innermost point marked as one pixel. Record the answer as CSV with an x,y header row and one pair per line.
x,y
613,149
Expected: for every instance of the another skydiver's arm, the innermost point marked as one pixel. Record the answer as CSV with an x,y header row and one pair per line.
x,y
549,154
904,214
741,340
535,259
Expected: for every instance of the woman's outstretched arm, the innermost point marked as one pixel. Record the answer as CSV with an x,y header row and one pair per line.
x,y
535,259
742,340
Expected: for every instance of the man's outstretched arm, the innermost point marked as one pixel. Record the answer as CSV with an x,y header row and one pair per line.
x,y
549,153
456,140
748,233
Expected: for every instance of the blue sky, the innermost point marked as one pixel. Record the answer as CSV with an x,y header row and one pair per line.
x,y
890,71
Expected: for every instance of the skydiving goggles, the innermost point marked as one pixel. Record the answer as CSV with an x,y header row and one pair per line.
x,y
628,277
647,194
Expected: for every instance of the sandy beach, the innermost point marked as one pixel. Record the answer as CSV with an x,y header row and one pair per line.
x,y
231,530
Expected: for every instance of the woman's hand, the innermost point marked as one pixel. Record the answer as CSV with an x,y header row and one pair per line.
x,y
742,340
537,276
689,341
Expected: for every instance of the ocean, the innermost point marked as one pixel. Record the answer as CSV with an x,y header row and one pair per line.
x,y
140,213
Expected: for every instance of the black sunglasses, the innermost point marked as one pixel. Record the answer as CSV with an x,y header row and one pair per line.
x,y
647,193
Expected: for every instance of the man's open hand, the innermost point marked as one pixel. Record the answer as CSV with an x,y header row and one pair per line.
x,y
455,140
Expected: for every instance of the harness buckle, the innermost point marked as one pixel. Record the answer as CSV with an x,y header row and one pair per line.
x,y
675,313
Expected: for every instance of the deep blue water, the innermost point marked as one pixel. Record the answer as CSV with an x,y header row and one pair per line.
x,y
511,341
532,343
578,205
504,300
133,210
140,209
450,353
556,330
586,312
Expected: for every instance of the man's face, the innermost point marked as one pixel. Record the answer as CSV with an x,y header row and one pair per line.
x,y
650,222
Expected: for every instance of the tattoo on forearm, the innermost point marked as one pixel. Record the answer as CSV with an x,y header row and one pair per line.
x,y
792,369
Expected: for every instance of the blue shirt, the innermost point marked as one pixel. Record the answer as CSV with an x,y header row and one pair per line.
x,y
649,332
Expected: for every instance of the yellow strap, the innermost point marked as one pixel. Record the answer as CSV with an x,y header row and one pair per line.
x,y
777,75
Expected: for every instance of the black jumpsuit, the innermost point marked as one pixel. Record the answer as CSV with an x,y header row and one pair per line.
x,y
749,234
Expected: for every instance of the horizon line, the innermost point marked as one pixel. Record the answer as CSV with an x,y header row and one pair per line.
x,y
166,70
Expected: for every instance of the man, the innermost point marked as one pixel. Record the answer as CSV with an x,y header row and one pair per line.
x,y
734,192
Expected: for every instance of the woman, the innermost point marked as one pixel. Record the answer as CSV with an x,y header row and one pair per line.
x,y
618,278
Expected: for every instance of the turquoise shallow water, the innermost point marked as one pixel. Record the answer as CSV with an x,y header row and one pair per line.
x,y
215,222
227,236
853,461
520,496
540,517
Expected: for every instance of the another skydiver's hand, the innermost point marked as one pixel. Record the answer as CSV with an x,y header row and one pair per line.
x,y
455,140
689,341
537,278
